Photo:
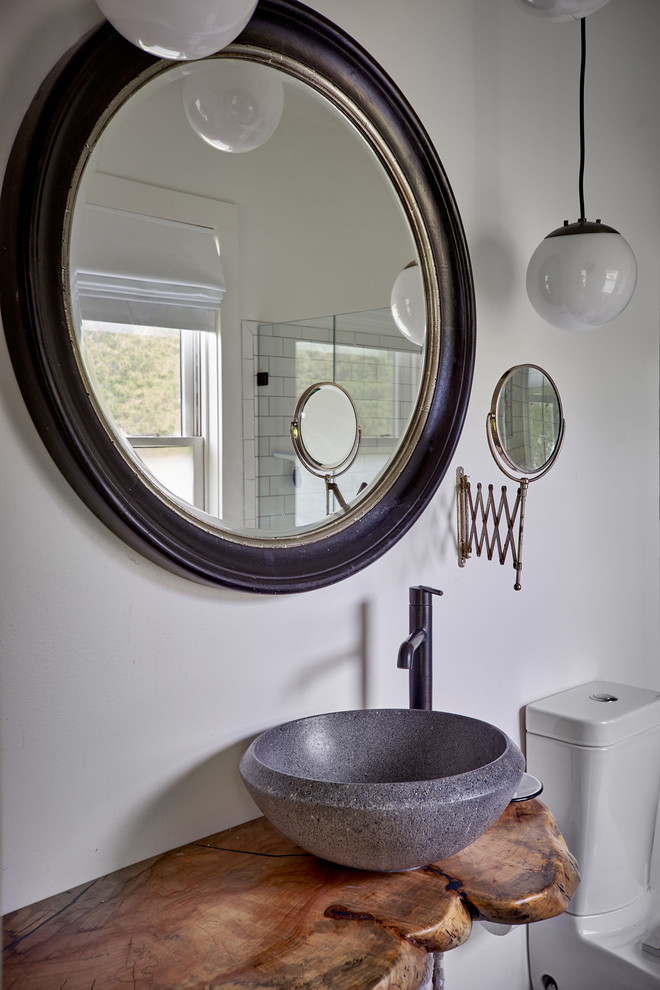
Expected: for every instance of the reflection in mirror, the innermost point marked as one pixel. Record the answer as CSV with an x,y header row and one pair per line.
x,y
325,428
326,438
233,106
407,303
200,279
364,354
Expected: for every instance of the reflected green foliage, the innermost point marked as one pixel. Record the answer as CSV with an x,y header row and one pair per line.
x,y
366,373
137,379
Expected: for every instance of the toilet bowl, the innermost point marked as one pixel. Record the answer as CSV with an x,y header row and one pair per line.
x,y
596,748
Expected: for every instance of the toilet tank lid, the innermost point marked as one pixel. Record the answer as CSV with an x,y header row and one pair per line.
x,y
598,713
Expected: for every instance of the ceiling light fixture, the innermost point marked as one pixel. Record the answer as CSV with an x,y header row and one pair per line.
x,y
408,303
562,10
583,274
175,30
233,105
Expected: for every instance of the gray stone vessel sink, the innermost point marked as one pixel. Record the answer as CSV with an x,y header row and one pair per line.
x,y
383,789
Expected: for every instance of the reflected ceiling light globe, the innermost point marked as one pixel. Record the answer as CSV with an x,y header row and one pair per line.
x,y
581,276
234,106
408,303
562,10
179,30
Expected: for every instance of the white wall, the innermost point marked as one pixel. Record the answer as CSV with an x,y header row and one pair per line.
x,y
128,692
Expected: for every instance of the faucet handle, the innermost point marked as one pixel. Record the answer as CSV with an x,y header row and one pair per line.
x,y
421,594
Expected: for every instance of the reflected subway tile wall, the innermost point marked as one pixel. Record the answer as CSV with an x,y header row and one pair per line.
x,y
363,352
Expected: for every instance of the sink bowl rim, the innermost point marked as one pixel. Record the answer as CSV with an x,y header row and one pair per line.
x,y
442,786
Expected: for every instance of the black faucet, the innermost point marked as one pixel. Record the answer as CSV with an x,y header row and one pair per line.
x,y
416,652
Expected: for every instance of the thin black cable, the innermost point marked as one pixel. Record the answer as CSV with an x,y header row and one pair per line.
x,y
583,65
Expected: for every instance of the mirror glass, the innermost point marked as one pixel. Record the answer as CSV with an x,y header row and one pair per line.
x,y
234,240
325,429
525,422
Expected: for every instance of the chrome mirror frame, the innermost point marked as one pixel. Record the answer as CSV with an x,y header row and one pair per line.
x,y
329,472
70,109
299,446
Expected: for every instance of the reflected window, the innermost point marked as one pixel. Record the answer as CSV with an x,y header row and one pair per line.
x,y
151,382
146,295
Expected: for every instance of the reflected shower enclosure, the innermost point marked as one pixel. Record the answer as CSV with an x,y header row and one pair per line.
x,y
364,353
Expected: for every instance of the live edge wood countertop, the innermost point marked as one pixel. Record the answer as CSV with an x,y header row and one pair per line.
x,y
246,908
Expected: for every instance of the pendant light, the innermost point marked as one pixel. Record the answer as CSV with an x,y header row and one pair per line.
x,y
233,105
583,274
179,29
408,303
562,10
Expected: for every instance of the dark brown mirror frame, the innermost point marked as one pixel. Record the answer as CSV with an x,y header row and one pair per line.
x,y
90,80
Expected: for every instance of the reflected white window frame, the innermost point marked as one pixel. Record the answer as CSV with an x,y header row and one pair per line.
x,y
200,417
222,218
195,443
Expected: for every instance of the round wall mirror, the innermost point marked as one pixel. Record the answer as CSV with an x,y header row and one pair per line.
x,y
174,277
525,425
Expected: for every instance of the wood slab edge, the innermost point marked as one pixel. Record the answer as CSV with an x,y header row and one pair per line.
x,y
520,871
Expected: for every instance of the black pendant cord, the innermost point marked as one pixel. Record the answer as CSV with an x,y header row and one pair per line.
x,y
583,65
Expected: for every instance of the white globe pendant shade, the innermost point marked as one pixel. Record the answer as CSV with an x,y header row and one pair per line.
x,y
562,10
179,29
581,276
408,303
234,106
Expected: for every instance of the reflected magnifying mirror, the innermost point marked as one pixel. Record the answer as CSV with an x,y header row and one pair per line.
x,y
326,435
525,429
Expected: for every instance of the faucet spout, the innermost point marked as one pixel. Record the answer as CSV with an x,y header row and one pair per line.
x,y
407,649
416,652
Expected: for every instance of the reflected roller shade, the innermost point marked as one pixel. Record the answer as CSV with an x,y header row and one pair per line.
x,y
144,271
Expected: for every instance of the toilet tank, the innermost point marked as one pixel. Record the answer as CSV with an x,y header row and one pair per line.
x,y
596,749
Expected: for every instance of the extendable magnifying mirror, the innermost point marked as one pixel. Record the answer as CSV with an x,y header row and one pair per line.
x,y
525,430
525,425
326,435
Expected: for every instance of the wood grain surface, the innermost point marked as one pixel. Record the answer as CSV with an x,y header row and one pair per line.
x,y
247,909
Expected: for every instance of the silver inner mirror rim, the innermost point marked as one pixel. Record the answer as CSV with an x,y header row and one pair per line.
x,y
378,144
497,448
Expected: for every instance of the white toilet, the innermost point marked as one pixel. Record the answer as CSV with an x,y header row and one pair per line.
x,y
596,749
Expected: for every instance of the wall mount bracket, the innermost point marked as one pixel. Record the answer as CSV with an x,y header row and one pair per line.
x,y
476,515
